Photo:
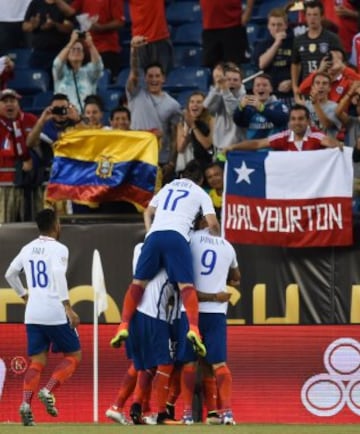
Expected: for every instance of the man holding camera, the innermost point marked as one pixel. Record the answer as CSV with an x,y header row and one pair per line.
x,y
312,46
54,120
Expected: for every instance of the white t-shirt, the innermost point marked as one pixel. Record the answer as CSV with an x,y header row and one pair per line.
x,y
212,259
13,11
177,205
44,262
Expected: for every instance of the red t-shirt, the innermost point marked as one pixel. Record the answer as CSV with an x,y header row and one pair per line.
x,y
221,14
148,19
284,141
107,10
13,143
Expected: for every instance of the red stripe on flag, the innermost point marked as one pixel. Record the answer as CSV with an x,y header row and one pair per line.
x,y
291,223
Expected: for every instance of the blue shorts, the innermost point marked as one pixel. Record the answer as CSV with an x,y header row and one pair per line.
x,y
169,250
149,342
60,338
212,327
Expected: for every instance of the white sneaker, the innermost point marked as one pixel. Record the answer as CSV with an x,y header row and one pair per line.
x,y
26,414
228,418
150,419
48,399
116,416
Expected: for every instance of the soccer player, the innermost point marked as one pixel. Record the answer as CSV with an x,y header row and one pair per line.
x,y
49,318
166,244
215,264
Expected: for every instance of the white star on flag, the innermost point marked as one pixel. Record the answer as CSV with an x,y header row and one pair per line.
x,y
243,173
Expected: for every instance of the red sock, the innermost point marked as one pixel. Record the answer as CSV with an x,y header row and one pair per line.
x,y
188,379
210,393
127,387
190,301
63,371
224,384
174,386
31,381
161,385
132,299
143,385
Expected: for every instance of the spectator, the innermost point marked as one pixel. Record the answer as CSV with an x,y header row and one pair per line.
x,y
50,31
7,72
151,108
299,137
221,101
312,46
73,76
15,159
214,176
195,134
273,54
120,118
55,119
11,19
148,20
341,75
93,111
322,110
261,113
105,30
224,31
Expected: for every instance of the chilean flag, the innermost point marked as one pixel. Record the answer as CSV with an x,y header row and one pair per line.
x,y
292,199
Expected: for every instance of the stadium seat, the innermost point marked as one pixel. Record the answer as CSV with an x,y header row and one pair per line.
x,y
183,12
30,81
188,34
42,100
111,98
255,31
187,78
104,80
121,79
20,56
263,7
187,55
183,96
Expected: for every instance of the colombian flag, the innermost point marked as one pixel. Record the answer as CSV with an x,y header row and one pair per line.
x,y
92,166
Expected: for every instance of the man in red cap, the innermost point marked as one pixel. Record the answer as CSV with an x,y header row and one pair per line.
x,y
15,159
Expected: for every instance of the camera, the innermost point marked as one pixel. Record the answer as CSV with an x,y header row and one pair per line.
x,y
61,111
82,35
328,57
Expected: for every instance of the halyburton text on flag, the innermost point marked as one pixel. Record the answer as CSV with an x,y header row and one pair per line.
x,y
294,199
93,166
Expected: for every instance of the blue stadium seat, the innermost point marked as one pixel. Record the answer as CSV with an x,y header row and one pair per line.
x,y
255,31
42,100
186,78
104,80
188,34
183,12
121,79
187,55
20,56
111,98
183,96
263,7
30,81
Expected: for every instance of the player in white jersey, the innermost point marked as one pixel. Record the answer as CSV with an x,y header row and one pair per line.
x,y
166,245
215,265
50,321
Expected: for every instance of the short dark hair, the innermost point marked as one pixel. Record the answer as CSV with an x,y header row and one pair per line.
x,y
314,4
46,220
193,171
213,164
154,65
94,99
60,97
300,107
121,109
266,76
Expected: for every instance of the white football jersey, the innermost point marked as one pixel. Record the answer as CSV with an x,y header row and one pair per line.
x,y
212,259
160,299
44,262
177,205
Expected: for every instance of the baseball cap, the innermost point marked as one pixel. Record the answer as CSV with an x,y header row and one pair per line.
x,y
9,93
